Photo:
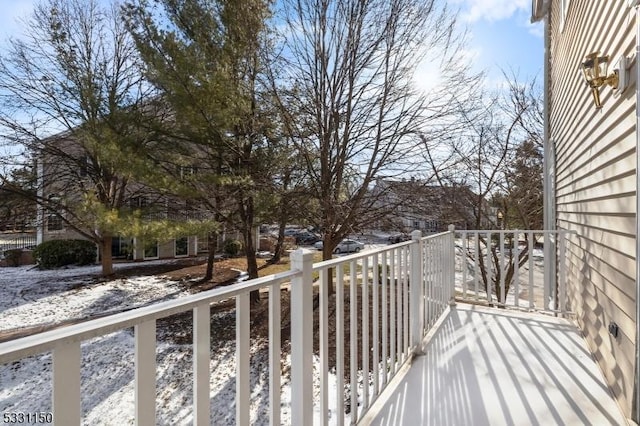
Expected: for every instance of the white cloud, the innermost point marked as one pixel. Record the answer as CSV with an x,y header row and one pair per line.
x,y
536,29
491,10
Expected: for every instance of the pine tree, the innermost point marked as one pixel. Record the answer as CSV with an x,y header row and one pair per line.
x,y
206,66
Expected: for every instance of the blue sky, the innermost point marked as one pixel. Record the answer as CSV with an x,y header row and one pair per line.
x,y
500,34
503,37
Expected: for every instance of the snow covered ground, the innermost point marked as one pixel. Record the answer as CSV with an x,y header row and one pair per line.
x,y
32,297
535,289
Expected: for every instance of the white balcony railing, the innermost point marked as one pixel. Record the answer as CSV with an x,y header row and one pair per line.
x,y
512,268
383,304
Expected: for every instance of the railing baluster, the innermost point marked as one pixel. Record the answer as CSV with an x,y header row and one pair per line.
x,y
476,261
405,307
243,396
424,290
439,273
201,364
385,319
465,241
399,323
434,280
502,271
549,267
430,289
392,314
452,263
340,344
275,354
516,270
489,269
353,320
416,292
530,287
145,377
324,347
66,384
441,268
435,261
376,325
365,333
562,297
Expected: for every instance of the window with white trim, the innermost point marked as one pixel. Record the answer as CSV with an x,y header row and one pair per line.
x,y
54,223
151,249
182,246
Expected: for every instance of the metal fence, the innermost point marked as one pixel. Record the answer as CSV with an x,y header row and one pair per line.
x,y
16,241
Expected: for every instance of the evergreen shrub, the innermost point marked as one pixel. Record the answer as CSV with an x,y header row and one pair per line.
x,y
57,253
232,247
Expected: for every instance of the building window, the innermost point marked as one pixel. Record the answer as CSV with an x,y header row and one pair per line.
x,y
54,223
182,246
151,250
85,165
122,247
138,202
185,172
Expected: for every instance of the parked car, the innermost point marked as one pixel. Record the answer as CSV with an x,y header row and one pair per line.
x,y
291,232
306,238
398,238
345,246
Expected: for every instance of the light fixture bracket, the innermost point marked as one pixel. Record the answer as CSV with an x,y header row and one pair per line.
x,y
594,71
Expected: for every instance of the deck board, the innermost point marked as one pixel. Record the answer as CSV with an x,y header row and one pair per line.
x,y
486,366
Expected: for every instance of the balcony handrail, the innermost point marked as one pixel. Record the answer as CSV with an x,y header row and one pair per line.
x,y
356,256
409,286
16,349
482,269
512,230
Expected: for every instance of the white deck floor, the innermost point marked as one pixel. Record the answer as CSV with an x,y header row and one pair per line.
x,y
493,367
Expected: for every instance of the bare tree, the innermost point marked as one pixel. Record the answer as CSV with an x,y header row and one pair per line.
x,y
496,154
73,94
348,70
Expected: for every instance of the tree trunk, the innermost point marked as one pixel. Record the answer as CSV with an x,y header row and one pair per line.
x,y
327,254
277,252
106,257
212,247
246,210
252,261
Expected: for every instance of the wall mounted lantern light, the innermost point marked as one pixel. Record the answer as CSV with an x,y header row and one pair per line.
x,y
594,69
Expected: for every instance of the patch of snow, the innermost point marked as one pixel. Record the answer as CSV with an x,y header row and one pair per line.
x,y
29,296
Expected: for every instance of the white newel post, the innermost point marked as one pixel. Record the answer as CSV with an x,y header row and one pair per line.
x,y
452,265
302,339
416,313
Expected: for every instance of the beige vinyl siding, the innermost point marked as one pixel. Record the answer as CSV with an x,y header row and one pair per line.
x,y
596,182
